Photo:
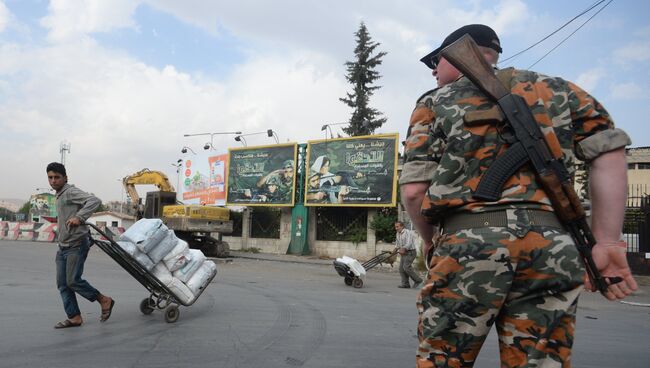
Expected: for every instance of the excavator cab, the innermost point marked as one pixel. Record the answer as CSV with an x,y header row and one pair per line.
x,y
155,201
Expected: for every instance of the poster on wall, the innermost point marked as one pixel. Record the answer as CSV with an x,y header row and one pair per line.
x,y
42,205
356,171
203,179
262,176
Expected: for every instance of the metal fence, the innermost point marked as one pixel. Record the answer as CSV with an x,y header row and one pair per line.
x,y
342,224
265,222
237,223
636,227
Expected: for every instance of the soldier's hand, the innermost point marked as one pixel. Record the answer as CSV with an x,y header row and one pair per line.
x,y
611,261
344,190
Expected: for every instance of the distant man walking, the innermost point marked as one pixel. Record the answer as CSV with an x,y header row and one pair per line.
x,y
405,245
73,206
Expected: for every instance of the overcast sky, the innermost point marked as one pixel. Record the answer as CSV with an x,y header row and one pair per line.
x,y
122,80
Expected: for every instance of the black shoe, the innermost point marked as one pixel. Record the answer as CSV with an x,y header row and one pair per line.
x,y
404,286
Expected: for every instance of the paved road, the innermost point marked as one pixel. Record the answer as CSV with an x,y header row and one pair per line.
x,y
256,314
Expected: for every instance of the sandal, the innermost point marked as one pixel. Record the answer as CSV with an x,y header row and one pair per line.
x,y
106,313
66,323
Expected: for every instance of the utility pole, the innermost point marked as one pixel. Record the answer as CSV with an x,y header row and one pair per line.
x,y
63,148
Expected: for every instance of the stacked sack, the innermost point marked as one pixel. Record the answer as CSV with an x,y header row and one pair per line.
x,y
183,270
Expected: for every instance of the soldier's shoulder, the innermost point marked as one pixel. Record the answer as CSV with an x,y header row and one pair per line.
x,y
530,76
428,94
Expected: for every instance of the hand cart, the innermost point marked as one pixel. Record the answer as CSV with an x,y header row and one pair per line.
x,y
160,296
352,276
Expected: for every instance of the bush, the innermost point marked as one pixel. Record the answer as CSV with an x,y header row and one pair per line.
x,y
384,224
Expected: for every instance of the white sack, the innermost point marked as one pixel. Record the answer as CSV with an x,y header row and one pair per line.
x,y
162,273
190,267
145,234
354,265
144,261
199,280
180,291
178,256
140,257
128,247
159,251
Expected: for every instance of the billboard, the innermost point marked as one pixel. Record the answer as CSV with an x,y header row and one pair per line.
x,y
356,171
43,204
203,179
262,176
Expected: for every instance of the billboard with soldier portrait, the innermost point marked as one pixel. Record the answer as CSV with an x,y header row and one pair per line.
x,y
355,171
262,176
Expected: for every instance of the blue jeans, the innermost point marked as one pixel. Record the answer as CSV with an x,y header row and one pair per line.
x,y
69,267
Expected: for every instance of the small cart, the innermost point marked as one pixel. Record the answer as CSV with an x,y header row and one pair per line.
x,y
160,296
353,272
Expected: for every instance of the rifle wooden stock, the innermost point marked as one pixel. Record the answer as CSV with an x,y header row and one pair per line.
x,y
529,145
465,56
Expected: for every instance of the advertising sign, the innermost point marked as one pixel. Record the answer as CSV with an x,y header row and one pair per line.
x,y
203,179
43,204
262,176
355,171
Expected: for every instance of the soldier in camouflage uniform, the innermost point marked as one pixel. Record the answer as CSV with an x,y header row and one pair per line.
x,y
508,262
282,178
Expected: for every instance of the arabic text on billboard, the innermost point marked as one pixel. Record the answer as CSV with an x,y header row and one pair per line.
x,y
358,171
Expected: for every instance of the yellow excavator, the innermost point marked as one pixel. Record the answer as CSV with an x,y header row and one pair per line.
x,y
196,224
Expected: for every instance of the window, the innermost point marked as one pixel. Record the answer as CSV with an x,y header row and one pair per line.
x,y
631,166
643,165
114,224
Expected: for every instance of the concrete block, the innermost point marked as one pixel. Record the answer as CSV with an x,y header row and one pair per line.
x,y
26,235
12,234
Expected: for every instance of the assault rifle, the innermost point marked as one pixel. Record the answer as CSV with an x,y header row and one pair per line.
x,y
527,144
337,188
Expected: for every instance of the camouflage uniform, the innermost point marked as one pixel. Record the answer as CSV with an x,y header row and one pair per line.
x,y
524,277
285,187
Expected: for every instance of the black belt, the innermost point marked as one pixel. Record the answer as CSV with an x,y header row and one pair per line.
x,y
468,220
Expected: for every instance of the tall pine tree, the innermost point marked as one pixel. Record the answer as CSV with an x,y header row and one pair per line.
x,y
361,75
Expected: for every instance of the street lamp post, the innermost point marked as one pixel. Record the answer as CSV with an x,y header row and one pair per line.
x,y
329,126
209,145
121,197
272,133
178,166
269,133
241,139
186,148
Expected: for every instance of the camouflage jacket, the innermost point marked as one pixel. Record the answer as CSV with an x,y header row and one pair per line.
x,y
443,150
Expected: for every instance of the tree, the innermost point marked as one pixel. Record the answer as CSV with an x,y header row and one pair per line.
x,y
25,208
361,75
102,208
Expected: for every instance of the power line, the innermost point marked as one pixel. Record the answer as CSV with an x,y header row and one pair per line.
x,y
556,31
572,33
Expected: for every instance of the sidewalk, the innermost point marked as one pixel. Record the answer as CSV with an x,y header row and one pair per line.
x,y
290,258
281,258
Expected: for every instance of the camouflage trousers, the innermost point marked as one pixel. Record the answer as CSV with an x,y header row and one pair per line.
x,y
526,279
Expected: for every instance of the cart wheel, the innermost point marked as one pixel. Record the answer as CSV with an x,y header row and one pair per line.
x,y
357,283
348,280
172,313
146,306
